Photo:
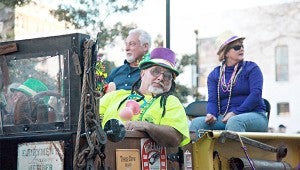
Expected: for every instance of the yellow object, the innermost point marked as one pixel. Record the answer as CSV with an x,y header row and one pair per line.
x,y
214,142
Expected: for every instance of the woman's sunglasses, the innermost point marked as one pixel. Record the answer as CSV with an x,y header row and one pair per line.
x,y
237,47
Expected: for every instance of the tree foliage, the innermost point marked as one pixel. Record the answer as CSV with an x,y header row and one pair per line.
x,y
108,66
14,3
185,61
182,92
92,15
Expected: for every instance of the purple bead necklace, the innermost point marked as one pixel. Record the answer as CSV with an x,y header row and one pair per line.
x,y
227,87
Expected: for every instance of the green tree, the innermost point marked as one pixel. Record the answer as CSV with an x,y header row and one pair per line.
x,y
182,92
14,3
108,66
93,14
185,61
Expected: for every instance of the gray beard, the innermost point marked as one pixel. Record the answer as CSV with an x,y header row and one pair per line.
x,y
155,90
130,59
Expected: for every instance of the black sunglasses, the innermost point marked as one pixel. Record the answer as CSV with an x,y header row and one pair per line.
x,y
237,47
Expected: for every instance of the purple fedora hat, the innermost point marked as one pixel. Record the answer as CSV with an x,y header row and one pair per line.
x,y
163,57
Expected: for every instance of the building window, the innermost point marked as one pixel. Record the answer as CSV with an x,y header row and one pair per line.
x,y
283,109
282,66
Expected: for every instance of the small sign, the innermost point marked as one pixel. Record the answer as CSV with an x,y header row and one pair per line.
x,y
128,159
188,165
154,156
46,155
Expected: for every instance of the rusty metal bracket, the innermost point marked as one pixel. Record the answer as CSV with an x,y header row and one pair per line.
x,y
281,150
76,62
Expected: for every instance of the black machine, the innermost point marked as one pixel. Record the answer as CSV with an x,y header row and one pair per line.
x,y
44,123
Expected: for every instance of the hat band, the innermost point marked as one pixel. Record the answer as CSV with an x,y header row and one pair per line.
x,y
162,61
229,40
29,90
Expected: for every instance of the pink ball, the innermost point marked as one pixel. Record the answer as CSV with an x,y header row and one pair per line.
x,y
134,105
126,113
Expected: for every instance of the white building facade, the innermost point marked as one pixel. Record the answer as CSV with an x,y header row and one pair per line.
x,y
272,41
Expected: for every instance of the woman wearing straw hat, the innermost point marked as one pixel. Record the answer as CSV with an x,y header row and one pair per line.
x,y
234,91
158,112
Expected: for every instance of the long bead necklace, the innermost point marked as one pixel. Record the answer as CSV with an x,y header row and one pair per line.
x,y
231,83
226,86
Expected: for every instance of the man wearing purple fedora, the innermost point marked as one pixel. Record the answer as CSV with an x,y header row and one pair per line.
x,y
160,114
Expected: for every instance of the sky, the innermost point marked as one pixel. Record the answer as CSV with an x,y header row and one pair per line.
x,y
185,17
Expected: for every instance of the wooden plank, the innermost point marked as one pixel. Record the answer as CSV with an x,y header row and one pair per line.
x,y
8,48
5,72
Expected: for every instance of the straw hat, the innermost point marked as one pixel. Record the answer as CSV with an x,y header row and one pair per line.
x,y
163,57
224,39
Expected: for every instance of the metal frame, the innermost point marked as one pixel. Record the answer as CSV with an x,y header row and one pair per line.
x,y
11,136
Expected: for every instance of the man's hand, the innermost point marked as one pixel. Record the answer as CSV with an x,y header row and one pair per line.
x,y
162,134
110,87
137,125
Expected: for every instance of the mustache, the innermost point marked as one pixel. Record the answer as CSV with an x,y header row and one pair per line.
x,y
160,83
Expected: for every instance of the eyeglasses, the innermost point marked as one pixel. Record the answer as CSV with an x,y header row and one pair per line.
x,y
157,71
237,47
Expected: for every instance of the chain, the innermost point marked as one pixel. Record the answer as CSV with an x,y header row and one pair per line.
x,y
94,134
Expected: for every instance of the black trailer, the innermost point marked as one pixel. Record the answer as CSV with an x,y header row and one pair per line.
x,y
46,123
